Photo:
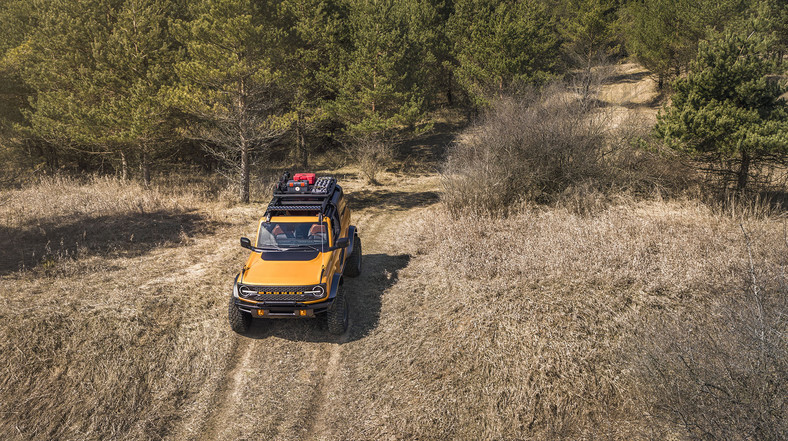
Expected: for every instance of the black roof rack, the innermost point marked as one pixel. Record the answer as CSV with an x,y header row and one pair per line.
x,y
301,196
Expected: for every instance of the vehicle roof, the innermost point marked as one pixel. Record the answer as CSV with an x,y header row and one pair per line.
x,y
294,219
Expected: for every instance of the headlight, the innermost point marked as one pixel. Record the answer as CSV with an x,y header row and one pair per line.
x,y
317,292
245,291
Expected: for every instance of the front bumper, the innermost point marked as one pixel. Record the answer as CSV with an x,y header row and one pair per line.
x,y
282,309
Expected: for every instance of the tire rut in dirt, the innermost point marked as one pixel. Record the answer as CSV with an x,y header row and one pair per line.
x,y
228,392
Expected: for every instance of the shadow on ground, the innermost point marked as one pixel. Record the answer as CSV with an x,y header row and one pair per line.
x,y
391,200
627,78
365,295
127,235
427,152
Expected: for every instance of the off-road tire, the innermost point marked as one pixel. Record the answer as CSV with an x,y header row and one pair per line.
x,y
353,264
239,320
337,314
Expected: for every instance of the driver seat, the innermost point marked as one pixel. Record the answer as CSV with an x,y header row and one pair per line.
x,y
317,232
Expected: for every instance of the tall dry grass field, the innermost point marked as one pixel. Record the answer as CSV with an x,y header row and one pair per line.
x,y
553,325
102,335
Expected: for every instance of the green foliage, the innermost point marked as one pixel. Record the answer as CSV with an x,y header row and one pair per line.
x,y
115,82
498,45
663,34
95,70
588,30
728,106
229,80
15,23
379,87
315,40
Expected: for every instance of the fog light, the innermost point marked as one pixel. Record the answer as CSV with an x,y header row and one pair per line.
x,y
302,312
260,312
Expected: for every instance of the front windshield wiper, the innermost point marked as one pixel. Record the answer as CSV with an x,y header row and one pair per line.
x,y
271,248
290,248
312,247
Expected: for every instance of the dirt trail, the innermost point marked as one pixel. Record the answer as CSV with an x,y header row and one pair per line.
x,y
283,375
229,391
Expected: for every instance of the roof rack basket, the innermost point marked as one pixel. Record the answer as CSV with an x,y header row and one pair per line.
x,y
307,198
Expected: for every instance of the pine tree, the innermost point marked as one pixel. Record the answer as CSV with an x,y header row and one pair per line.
x,y
16,22
136,64
664,34
379,85
588,30
315,40
229,80
498,45
96,69
728,108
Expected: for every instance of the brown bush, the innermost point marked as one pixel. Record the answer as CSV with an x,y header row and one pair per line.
x,y
372,154
542,145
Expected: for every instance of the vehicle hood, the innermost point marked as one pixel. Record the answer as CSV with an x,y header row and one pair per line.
x,y
284,272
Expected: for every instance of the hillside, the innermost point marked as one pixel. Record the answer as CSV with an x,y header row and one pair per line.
x,y
547,324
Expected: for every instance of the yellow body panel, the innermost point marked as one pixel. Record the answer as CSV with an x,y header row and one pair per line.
x,y
284,272
300,272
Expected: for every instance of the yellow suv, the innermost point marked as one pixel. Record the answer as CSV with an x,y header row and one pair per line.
x,y
304,246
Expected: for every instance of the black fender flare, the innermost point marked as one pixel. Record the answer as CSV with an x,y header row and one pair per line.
x,y
235,285
352,232
335,282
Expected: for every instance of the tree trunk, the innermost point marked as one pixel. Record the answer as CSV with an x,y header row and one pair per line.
x,y
744,172
124,166
449,95
145,167
244,193
301,141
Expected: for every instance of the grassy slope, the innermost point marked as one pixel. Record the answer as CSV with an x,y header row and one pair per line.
x,y
525,327
466,328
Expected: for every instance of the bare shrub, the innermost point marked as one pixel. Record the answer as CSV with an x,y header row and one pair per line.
x,y
373,156
544,144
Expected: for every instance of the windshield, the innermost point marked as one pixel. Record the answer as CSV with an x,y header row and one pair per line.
x,y
293,235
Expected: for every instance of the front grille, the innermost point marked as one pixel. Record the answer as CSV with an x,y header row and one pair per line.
x,y
278,293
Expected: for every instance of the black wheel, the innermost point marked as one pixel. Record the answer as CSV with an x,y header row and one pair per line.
x,y
337,314
239,320
353,264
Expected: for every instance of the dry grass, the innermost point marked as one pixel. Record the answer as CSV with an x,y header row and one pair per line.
x,y
562,321
551,146
533,327
373,156
102,336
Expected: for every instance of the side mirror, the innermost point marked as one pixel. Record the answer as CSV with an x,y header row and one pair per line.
x,y
246,243
342,243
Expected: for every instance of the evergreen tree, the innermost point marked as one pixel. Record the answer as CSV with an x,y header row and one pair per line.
x,y
727,107
316,38
96,69
587,28
16,22
57,63
229,80
498,45
136,64
663,34
379,85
